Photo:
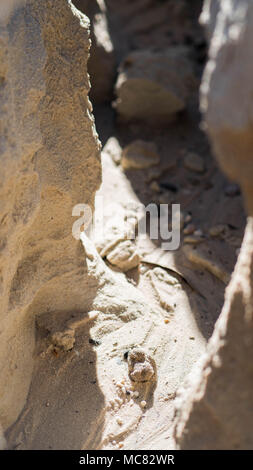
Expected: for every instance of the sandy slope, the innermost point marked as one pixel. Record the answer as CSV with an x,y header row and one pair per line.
x,y
82,397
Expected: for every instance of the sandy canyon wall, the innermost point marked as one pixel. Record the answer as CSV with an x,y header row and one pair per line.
x,y
50,161
215,411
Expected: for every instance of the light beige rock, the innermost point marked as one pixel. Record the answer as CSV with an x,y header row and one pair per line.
x,y
124,255
194,162
228,106
189,229
139,155
153,86
50,161
201,258
218,230
64,339
193,240
155,187
215,408
141,366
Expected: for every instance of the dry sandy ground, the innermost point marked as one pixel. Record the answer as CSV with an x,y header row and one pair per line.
x,y
83,397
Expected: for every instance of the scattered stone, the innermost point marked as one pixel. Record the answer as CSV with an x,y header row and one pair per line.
x,y
113,148
124,255
232,190
143,404
119,421
203,260
64,340
194,162
155,187
217,230
119,401
136,394
198,233
153,86
141,366
189,229
193,240
139,154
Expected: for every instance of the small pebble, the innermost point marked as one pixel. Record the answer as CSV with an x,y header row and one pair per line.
x,y
118,401
193,240
166,320
143,404
217,230
155,187
189,229
198,233
121,445
136,394
119,421
47,404
194,162
141,366
143,269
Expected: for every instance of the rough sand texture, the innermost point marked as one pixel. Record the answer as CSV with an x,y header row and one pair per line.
x,y
92,322
50,161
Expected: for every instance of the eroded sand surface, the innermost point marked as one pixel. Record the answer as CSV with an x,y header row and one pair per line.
x,y
84,398
81,395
